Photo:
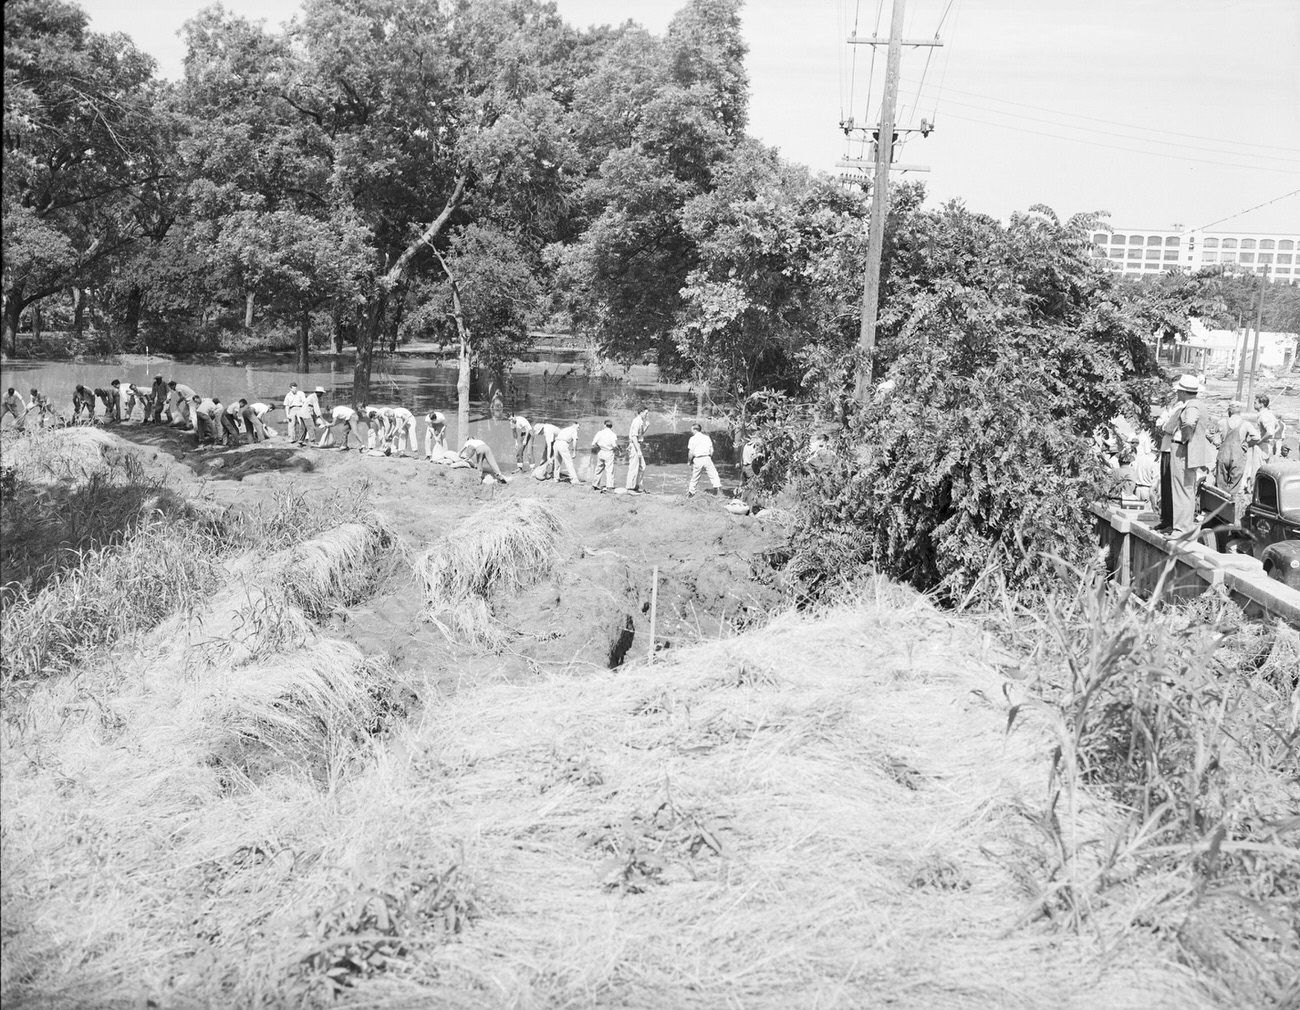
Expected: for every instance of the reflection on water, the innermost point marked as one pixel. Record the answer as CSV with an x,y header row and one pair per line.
x,y
542,391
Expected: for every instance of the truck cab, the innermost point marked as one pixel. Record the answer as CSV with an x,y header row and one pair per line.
x,y
1268,527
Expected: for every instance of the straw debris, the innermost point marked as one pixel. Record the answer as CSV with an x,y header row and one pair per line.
x,y
495,552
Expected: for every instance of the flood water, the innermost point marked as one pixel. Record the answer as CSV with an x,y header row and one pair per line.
x,y
541,391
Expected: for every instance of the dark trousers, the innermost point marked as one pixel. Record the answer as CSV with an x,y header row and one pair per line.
x,y
1166,491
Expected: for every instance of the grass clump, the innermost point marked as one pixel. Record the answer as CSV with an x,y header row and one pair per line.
x,y
501,549
1187,719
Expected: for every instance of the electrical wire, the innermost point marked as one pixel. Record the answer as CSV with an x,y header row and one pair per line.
x,y
1239,213
1112,122
1116,147
1119,136
943,75
853,66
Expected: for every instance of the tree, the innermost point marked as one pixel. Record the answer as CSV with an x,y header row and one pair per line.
x,y
779,256
669,112
81,150
1005,345
484,305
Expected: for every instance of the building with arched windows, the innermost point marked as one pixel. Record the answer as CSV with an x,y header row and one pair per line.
x,y
1146,253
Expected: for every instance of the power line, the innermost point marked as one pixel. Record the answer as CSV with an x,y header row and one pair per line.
x,y
1247,210
1121,136
1113,122
943,75
1116,147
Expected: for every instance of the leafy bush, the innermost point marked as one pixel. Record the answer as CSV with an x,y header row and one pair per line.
x,y
936,485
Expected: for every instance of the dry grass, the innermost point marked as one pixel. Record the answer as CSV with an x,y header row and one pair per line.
x,y
497,551
1187,718
827,812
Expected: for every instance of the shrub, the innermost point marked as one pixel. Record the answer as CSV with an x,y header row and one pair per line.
x,y
938,484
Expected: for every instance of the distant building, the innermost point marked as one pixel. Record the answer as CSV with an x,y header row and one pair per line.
x,y
1221,349
1152,252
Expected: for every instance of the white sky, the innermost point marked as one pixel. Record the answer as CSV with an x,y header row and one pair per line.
x,y
1159,111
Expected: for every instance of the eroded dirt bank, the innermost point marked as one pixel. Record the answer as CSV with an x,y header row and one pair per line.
x,y
593,611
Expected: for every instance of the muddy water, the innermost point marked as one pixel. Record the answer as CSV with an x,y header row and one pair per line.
x,y
541,391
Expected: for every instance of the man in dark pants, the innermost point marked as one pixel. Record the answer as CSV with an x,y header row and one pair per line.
x,y
1190,451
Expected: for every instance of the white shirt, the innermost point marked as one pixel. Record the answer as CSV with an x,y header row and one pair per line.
x,y
750,452
339,413
569,434
403,416
435,417
637,428
520,426
605,440
699,445
547,431
294,400
261,409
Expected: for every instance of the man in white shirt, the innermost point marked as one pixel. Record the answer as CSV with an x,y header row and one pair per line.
x,y
315,409
604,443
435,433
381,422
699,452
547,433
636,451
207,426
232,418
479,454
351,422
522,433
14,404
566,443
182,404
404,432
295,412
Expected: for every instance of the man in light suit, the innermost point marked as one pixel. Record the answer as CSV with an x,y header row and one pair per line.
x,y
1190,451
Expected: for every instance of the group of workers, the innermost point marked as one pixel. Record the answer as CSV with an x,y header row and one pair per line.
x,y
1194,447
390,430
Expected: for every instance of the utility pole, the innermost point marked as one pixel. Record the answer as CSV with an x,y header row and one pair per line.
x,y
1259,322
1245,343
884,134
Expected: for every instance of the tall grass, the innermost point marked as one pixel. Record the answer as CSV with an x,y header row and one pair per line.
x,y
1187,719
498,550
106,595
97,550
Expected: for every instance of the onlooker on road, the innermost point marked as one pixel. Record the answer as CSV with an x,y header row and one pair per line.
x,y
1233,458
1190,451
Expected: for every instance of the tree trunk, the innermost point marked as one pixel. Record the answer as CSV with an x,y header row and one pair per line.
x,y
249,298
462,376
133,299
13,310
367,333
304,338
338,330
366,339
78,312
36,321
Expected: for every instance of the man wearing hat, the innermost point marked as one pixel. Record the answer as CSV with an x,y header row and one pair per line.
x,y
1189,450
315,412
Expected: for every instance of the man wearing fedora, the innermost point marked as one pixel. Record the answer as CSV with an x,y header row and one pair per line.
x,y
1187,450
